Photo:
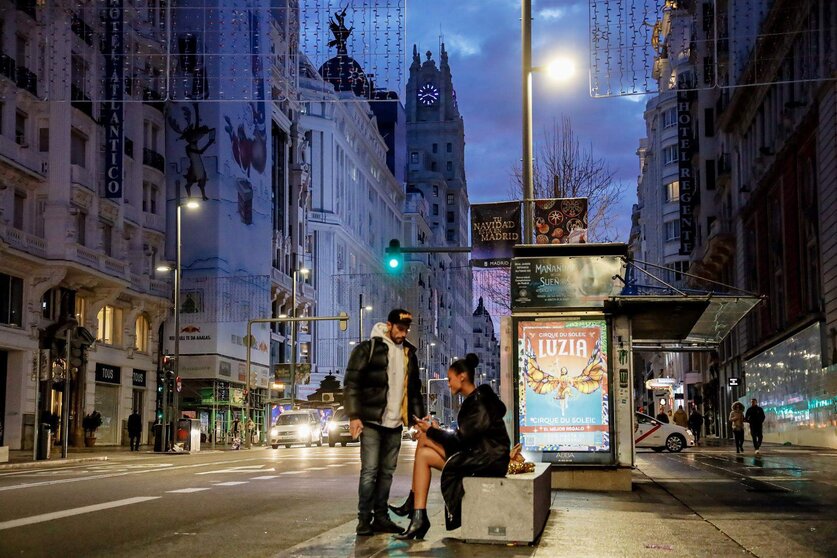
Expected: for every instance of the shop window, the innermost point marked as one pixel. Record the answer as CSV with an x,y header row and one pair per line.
x,y
11,300
110,325
142,330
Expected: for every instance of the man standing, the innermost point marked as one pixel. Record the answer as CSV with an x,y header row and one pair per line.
x,y
755,416
135,430
382,394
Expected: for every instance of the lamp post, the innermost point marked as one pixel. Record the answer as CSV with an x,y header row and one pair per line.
x,y
526,63
361,308
301,271
178,272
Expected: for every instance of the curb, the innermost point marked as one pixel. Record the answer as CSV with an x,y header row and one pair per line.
x,y
49,463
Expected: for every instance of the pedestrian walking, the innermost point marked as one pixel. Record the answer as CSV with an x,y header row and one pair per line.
x,y
382,394
695,423
681,418
755,418
134,429
250,429
662,416
736,419
478,447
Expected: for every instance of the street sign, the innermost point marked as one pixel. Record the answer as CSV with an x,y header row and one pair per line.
x,y
734,382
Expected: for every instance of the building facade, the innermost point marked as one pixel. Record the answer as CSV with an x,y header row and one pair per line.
x,y
764,167
487,347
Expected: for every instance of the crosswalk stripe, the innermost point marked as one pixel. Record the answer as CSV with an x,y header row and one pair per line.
x,y
31,520
185,490
230,483
266,477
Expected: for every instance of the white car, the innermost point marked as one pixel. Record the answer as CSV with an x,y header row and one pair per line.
x,y
296,427
651,433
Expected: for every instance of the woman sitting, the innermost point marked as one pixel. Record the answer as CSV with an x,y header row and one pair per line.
x,y
478,447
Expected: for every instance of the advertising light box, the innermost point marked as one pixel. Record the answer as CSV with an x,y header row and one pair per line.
x,y
563,389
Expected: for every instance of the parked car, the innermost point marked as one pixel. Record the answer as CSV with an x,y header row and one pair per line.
x,y
296,427
651,433
336,430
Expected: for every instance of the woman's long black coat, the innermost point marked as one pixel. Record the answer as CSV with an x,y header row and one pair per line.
x,y
478,448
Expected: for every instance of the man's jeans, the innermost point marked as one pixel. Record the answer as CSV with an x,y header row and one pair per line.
x,y
756,434
378,457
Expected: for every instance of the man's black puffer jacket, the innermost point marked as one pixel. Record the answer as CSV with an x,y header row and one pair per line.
x,y
366,384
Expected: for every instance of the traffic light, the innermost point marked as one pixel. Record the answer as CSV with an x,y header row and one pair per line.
x,y
394,260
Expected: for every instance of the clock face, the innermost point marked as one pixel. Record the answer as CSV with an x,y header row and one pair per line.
x,y
428,94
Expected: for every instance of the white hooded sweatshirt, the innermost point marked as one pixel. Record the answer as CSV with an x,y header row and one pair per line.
x,y
396,377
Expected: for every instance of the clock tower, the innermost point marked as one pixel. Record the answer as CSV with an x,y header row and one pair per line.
x,y
436,172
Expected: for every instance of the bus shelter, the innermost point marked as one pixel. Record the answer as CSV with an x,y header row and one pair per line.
x,y
567,354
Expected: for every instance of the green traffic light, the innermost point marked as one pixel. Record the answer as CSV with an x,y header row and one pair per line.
x,y
393,263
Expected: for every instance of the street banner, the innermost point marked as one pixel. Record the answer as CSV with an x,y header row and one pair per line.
x,y
565,281
561,221
495,229
563,386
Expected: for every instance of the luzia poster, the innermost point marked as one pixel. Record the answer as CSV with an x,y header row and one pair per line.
x,y
563,386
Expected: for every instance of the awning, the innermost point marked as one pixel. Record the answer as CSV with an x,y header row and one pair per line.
x,y
681,323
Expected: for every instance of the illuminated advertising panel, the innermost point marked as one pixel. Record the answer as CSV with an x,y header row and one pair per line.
x,y
563,396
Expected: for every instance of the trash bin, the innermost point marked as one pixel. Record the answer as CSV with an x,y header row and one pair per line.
x,y
44,441
189,434
158,437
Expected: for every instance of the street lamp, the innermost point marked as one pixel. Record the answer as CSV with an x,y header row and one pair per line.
x,y
361,309
192,204
427,363
301,271
562,69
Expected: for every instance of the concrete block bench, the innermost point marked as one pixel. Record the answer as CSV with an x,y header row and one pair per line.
x,y
4,454
511,509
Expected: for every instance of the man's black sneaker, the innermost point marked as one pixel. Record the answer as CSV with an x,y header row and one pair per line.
x,y
383,524
364,528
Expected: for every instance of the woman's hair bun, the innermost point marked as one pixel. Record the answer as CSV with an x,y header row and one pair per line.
x,y
472,360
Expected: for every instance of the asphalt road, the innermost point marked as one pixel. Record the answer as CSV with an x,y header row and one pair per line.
x,y
263,502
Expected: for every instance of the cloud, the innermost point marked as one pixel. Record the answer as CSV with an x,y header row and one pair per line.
x,y
459,44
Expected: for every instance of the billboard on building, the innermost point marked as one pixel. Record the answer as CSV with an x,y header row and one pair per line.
x,y
561,221
563,394
495,229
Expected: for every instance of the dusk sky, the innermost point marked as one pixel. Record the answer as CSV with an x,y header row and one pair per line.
x,y
482,38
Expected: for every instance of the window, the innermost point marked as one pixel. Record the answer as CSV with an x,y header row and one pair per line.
x,y
672,230
435,191
675,270
107,237
81,227
110,325
150,193
672,191
669,155
670,117
449,235
433,166
78,148
450,147
19,210
20,127
414,157
449,166
141,330
709,122
435,209
43,140
450,199
450,217
435,148
11,300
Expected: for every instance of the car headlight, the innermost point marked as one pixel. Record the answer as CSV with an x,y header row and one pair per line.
x,y
304,430
274,431
332,425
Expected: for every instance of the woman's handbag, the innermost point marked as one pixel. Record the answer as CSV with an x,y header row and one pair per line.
x,y
517,464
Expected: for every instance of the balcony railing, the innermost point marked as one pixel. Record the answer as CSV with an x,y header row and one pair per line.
x,y
153,159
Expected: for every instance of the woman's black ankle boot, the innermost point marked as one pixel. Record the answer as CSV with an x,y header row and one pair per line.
x,y
419,525
404,509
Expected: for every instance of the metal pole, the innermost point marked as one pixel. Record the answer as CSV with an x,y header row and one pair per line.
x,y
212,422
36,433
177,272
526,63
248,343
428,395
360,314
65,399
293,341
